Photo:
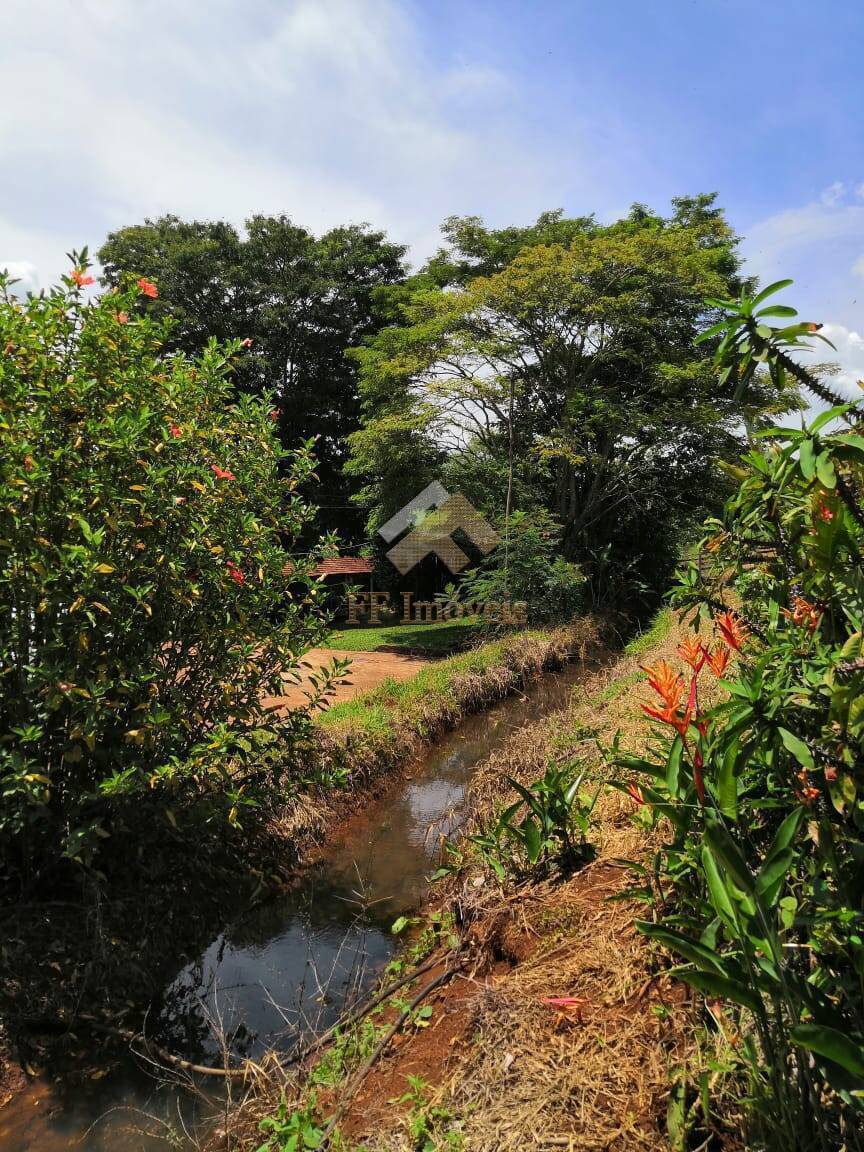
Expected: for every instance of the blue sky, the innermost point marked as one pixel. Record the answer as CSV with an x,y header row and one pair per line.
x,y
401,112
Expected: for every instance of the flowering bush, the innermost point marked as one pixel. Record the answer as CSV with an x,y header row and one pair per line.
x,y
145,604
760,887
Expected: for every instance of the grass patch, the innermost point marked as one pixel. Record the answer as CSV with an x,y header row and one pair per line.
x,y
435,639
656,632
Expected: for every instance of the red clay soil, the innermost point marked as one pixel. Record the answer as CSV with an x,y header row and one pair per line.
x,y
368,670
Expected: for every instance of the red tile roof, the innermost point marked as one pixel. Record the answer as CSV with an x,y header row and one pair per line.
x,y
345,566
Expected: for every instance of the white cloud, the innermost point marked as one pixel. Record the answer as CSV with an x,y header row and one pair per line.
x,y
833,193
849,355
24,273
328,110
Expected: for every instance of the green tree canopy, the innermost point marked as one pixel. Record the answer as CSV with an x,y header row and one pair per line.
x,y
573,352
302,300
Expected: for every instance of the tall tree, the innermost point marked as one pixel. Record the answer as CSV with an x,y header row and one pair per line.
x,y
572,354
302,300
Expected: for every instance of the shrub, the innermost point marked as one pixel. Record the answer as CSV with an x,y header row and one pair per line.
x,y
526,566
146,604
761,879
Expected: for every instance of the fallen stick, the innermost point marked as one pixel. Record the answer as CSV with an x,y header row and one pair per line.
x,y
351,1089
359,1014
61,1024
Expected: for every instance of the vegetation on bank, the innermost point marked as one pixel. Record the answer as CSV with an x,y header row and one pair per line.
x,y
144,511
757,885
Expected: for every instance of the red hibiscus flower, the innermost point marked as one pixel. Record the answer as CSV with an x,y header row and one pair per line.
x,y
148,288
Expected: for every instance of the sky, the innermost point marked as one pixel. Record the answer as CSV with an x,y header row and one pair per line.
x,y
403,112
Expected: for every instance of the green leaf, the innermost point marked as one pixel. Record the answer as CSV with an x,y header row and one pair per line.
x,y
717,891
777,286
777,310
673,766
807,459
833,1045
727,782
712,984
797,747
692,950
825,470
726,851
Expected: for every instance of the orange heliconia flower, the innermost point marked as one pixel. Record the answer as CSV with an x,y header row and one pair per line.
x,y
804,614
733,630
635,792
692,652
148,288
222,473
80,277
718,660
666,682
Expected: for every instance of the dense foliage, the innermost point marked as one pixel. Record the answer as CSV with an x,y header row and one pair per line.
x,y
301,299
555,367
145,604
760,887
527,566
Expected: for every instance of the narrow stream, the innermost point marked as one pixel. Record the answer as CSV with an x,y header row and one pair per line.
x,y
286,966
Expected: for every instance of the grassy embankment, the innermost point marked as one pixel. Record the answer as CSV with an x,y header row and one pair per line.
x,y
494,1067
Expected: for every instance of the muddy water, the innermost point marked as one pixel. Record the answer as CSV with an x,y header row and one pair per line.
x,y
282,968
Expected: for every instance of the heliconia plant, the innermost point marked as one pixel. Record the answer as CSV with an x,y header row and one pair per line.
x,y
759,887
146,602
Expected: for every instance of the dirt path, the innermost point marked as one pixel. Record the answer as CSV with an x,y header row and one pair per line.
x,y
368,670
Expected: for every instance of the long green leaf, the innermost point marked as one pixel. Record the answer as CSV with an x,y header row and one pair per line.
x,y
704,959
726,851
712,984
777,286
833,1045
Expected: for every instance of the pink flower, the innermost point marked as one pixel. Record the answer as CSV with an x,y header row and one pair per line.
x,y
121,317
80,277
247,343
274,414
175,430
235,573
148,288
222,473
